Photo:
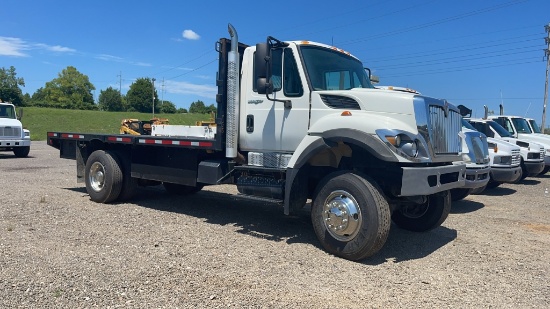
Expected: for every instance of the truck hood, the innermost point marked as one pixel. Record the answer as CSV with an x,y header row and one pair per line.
x,y
8,122
542,139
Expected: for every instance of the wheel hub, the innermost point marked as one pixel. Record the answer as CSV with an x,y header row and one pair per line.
x,y
342,216
97,176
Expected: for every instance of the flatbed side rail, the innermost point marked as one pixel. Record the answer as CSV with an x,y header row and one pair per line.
x,y
200,143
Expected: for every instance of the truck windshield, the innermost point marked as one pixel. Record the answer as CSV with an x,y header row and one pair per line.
x,y
333,70
521,125
7,111
499,129
534,126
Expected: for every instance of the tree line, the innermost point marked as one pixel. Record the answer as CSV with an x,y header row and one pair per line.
x,y
73,90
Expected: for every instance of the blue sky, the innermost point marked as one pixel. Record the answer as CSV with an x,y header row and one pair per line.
x,y
473,53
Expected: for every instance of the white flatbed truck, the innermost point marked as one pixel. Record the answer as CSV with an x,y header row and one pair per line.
x,y
297,121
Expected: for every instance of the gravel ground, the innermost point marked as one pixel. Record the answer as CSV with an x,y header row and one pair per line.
x,y
214,250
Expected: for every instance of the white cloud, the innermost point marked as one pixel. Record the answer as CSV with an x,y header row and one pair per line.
x,y
56,48
16,47
205,91
112,58
190,35
12,47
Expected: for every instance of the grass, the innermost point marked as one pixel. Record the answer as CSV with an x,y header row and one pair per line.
x,y
40,120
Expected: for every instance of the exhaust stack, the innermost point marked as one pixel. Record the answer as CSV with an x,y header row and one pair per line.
x,y
501,109
486,115
232,132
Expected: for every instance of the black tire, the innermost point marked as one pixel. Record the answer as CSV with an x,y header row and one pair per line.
x,y
480,189
177,189
424,217
21,152
493,184
129,184
459,193
345,196
103,176
545,170
524,173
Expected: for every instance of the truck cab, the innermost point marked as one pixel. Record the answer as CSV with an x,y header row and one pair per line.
x,y
519,128
13,137
504,160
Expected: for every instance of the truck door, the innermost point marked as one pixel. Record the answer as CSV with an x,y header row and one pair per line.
x,y
268,125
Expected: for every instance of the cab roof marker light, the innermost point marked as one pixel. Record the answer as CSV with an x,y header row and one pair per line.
x,y
345,113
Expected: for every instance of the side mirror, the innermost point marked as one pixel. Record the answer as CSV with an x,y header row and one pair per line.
x,y
262,68
19,114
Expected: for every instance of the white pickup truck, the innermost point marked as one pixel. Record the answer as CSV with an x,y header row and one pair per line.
x,y
13,137
519,128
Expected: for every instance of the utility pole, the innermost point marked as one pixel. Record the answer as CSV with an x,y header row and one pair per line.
x,y
162,92
547,55
154,97
120,83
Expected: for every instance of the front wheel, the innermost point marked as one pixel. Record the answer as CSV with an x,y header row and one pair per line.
x,y
350,216
545,170
103,176
426,216
460,193
21,152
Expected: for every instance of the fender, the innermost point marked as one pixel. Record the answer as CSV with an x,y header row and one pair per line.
x,y
311,145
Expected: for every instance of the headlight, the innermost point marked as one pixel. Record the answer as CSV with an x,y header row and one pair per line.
x,y
410,148
507,160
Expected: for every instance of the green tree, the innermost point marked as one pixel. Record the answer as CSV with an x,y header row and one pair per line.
x,y
198,107
168,107
182,110
140,96
211,109
71,89
9,86
110,100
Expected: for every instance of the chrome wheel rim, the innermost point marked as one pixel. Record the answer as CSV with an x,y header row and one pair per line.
x,y
342,215
97,176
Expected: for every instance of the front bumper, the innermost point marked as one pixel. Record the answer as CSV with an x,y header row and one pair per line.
x,y
505,175
534,168
477,177
431,180
13,143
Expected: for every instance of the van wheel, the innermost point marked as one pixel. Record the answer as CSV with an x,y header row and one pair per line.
x,y
21,152
103,176
424,217
350,216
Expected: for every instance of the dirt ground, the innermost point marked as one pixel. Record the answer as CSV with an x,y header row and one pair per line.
x,y
215,250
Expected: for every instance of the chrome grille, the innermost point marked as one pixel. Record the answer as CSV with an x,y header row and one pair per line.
x,y
516,157
542,153
10,132
444,127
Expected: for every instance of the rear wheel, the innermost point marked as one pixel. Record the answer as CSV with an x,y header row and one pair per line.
x,y
177,189
350,216
129,184
424,217
21,152
103,176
